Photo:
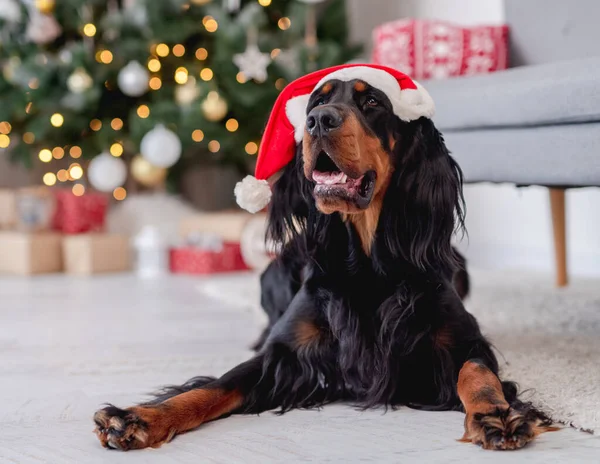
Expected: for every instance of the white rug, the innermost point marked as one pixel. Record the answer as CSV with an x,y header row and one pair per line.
x,y
548,339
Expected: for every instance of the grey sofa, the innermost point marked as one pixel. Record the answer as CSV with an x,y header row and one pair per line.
x,y
537,123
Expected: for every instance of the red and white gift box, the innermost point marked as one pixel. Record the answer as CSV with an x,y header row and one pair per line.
x,y
426,49
195,260
77,214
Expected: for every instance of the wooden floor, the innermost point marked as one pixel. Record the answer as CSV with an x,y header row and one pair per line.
x,y
68,345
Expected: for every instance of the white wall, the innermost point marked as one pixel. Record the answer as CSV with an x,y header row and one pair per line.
x,y
508,227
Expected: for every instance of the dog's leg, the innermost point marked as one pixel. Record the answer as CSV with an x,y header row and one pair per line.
x,y
152,424
494,420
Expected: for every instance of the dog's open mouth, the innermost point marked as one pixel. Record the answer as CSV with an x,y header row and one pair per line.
x,y
333,182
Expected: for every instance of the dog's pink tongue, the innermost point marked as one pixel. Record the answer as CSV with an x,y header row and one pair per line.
x,y
328,178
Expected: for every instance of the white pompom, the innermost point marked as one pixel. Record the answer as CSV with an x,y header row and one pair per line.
x,y
252,194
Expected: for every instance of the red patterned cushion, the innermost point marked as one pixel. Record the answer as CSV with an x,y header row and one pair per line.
x,y
437,49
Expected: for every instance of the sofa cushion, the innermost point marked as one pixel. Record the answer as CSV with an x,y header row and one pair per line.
x,y
553,93
565,155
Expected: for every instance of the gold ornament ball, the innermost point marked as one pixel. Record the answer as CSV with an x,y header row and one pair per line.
x,y
45,6
146,173
214,108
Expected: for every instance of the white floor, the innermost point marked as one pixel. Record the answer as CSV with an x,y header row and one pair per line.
x,y
68,345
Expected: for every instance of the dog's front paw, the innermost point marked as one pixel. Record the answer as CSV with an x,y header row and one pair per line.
x,y
502,429
132,428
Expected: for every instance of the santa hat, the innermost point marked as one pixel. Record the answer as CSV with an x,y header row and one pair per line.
x,y
285,127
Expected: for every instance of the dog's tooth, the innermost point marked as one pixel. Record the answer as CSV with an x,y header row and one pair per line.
x,y
344,179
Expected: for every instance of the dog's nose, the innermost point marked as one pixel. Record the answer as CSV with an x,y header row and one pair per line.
x,y
322,120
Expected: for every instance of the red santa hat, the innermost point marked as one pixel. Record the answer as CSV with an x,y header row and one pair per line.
x,y
285,128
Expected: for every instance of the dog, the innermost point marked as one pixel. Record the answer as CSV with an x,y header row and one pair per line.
x,y
365,296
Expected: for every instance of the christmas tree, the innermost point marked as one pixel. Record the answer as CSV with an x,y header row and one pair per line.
x,y
180,81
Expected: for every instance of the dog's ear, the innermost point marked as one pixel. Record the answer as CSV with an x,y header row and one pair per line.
x,y
424,204
291,202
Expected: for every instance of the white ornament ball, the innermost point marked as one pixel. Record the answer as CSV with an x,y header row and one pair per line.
x,y
133,79
106,172
161,147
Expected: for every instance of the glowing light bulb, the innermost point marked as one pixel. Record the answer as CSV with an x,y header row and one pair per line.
x,y
116,149
57,119
49,179
251,148
120,193
197,135
75,152
232,125
89,29
45,155
284,23
206,74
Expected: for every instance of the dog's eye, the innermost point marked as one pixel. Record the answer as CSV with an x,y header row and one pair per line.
x,y
320,101
371,101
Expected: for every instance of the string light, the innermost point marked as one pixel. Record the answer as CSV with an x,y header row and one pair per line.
x,y
89,29
181,75
57,119
75,152
232,125
155,83
280,83
214,146
4,141
75,171
116,124
275,53
95,125
210,24
201,54
120,193
78,190
264,2
197,135
34,83
178,50
116,149
154,65
5,127
58,153
45,155
206,74
62,175
49,179
241,78
251,148
284,23
143,111
28,138
28,107
162,50
106,56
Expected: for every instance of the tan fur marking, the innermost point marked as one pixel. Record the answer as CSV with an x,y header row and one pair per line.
x,y
306,333
326,88
360,86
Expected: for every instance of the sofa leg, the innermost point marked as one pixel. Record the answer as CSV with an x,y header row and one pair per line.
x,y
557,205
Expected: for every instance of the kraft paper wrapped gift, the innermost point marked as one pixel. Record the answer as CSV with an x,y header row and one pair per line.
x,y
27,253
229,226
87,254
8,208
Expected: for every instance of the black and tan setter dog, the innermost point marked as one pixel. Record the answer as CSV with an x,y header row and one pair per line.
x,y
364,299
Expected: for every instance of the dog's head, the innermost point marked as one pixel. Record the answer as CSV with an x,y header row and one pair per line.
x,y
390,177
348,144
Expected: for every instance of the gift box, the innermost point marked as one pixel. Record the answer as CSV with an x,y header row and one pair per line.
x,y
94,253
229,226
27,253
192,259
77,214
8,208
34,209
437,49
